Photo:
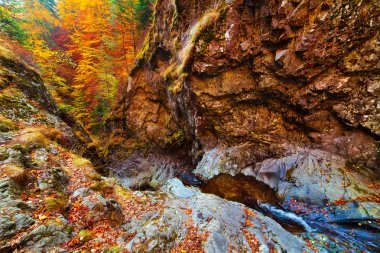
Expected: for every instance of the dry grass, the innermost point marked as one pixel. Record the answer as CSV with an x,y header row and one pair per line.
x,y
6,124
17,173
39,136
79,161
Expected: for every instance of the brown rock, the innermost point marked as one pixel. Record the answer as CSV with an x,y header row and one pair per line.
x,y
269,74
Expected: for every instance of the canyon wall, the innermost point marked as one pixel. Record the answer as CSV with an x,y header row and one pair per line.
x,y
247,81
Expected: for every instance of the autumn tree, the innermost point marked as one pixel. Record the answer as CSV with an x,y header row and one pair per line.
x,y
10,22
94,40
82,48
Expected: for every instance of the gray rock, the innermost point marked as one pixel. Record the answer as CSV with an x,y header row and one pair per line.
x,y
7,227
139,171
357,212
44,237
223,220
228,160
23,221
312,176
82,192
10,226
176,187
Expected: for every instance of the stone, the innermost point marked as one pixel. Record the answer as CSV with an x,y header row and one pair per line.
x,y
280,54
312,176
176,187
45,237
223,220
10,226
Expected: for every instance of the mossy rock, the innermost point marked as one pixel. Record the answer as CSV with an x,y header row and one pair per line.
x,y
7,125
4,156
176,139
14,102
15,172
85,235
58,203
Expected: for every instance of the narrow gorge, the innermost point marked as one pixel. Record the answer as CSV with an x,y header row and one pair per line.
x,y
243,126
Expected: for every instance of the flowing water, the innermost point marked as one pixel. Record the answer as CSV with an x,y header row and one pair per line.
x,y
257,195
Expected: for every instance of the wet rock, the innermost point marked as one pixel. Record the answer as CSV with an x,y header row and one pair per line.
x,y
312,176
357,211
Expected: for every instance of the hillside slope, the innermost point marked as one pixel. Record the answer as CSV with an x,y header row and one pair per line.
x,y
52,199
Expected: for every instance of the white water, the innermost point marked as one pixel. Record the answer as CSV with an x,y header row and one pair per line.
x,y
284,215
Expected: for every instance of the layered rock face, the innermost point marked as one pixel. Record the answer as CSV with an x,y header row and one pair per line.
x,y
285,91
257,79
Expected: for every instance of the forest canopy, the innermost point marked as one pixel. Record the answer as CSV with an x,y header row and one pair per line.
x,y
82,48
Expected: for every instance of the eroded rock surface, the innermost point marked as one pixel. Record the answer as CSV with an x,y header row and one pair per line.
x,y
223,223
272,76
286,91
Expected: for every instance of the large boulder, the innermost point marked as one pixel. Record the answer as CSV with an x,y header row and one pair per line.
x,y
191,215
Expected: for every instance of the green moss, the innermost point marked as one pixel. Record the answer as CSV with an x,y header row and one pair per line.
x,y
80,161
122,192
58,203
6,125
176,138
4,156
115,249
22,148
85,235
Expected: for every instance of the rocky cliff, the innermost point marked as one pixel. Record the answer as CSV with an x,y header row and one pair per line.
x,y
266,77
52,199
285,91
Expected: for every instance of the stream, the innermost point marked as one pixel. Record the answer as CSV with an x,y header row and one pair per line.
x,y
351,237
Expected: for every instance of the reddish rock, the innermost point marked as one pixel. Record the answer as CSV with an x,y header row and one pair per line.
x,y
269,74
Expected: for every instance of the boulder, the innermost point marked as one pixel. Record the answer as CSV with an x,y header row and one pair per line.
x,y
224,225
